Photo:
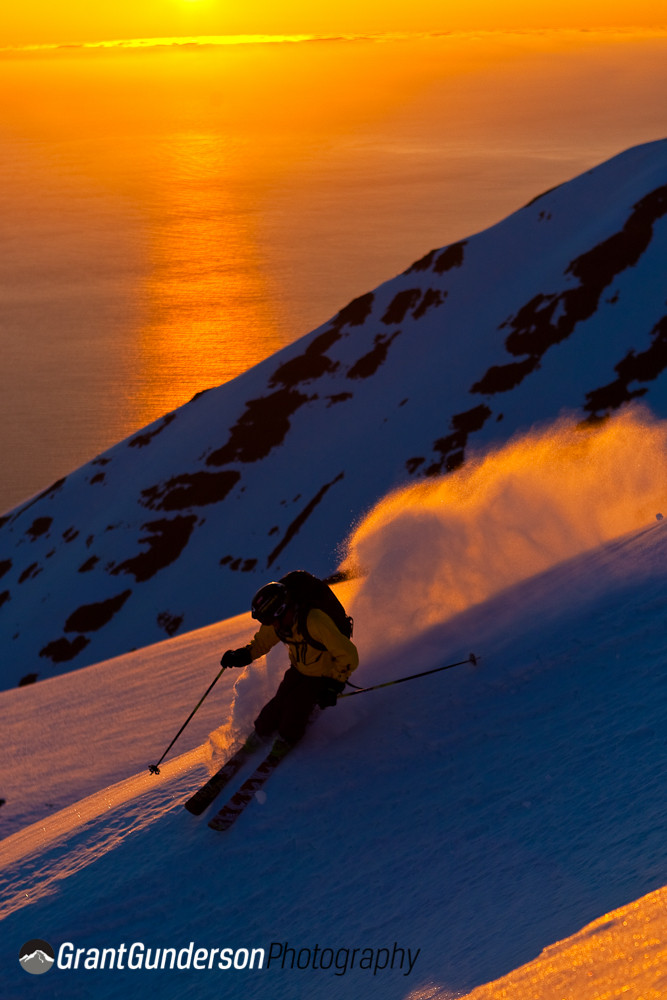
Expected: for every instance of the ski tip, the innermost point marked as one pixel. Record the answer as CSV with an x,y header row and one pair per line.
x,y
193,808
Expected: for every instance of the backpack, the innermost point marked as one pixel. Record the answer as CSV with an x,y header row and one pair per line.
x,y
307,592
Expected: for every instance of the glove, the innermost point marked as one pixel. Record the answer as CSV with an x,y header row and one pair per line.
x,y
236,657
330,691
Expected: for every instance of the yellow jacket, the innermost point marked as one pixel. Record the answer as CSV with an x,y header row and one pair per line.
x,y
337,660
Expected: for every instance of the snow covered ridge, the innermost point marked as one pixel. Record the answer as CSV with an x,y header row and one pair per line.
x,y
560,307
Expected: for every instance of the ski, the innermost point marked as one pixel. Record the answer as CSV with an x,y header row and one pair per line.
x,y
230,812
203,797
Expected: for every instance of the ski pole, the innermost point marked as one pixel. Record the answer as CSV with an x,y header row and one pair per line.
x,y
399,680
155,768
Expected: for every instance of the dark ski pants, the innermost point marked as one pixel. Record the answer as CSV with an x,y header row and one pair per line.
x,y
290,708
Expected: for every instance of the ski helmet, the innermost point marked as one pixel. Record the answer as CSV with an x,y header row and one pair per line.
x,y
270,602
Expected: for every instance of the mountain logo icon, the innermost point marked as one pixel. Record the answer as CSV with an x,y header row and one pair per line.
x,y
37,957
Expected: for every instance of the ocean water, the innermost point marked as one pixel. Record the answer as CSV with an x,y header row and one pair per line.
x,y
173,214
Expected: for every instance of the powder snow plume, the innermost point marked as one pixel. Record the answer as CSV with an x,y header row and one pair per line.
x,y
431,550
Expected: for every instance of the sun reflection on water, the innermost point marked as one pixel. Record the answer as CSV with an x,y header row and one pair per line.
x,y
178,211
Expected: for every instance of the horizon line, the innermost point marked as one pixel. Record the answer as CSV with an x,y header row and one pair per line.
x,y
210,41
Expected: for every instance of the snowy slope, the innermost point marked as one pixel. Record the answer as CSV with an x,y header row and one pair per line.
x,y
475,817
560,307
621,954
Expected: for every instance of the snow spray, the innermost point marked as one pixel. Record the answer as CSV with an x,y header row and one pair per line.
x,y
431,550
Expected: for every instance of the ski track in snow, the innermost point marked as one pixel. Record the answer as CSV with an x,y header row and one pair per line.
x,y
38,857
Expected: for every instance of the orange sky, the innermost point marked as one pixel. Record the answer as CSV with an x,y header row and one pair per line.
x,y
46,21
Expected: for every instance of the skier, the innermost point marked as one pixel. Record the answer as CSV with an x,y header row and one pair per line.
x,y
321,656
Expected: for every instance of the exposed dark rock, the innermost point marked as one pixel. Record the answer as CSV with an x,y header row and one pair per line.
x,y
340,397
262,427
39,526
624,249
4,597
299,521
266,420
99,477
355,313
27,679
49,492
201,392
533,326
424,263
440,261
453,460
369,363
310,365
535,330
472,420
451,257
238,563
432,297
452,447
170,623
63,650
91,617
166,540
5,566
145,438
539,196
194,489
30,572
648,364
599,402
549,319
400,304
305,368
502,378
70,534
89,564
642,367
